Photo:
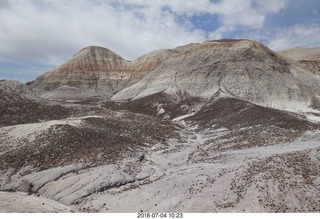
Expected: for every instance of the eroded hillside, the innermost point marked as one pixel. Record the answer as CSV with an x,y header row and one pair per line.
x,y
221,126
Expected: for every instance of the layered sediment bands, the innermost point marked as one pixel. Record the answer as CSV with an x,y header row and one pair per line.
x,y
98,72
302,53
146,63
241,69
220,126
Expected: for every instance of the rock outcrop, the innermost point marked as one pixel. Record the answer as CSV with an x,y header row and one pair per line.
x,y
146,63
308,58
192,129
12,90
241,69
20,105
302,53
97,72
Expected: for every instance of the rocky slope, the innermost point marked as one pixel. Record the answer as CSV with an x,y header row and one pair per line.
x,y
308,58
225,158
202,132
241,69
17,90
20,105
302,53
96,72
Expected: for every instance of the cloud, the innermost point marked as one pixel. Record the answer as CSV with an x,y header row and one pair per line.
x,y
34,30
249,13
48,32
245,14
298,35
44,29
270,6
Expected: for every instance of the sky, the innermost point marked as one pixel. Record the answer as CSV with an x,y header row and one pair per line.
x,y
39,35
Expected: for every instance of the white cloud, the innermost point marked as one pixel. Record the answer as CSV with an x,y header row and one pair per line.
x,y
246,13
250,13
48,32
271,6
33,30
297,35
130,27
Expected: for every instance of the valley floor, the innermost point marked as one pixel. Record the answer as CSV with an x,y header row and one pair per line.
x,y
277,178
19,202
191,175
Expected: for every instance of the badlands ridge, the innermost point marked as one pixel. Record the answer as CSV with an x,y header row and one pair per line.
x,y
219,126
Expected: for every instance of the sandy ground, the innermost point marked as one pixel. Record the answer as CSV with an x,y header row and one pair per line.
x,y
190,174
19,202
249,180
